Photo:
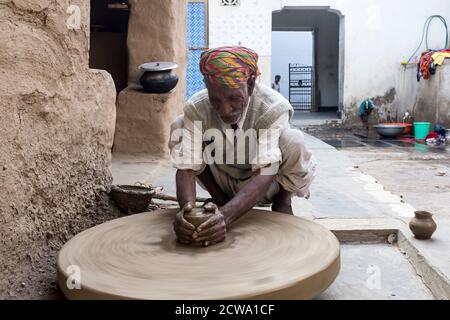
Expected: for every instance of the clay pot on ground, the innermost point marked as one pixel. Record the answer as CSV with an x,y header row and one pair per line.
x,y
422,225
159,77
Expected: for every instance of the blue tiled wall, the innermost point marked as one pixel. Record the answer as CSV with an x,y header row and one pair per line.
x,y
196,38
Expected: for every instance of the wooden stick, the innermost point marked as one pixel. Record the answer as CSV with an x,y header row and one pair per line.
x,y
166,197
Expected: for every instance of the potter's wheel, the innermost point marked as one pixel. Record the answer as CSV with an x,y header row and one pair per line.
x,y
266,256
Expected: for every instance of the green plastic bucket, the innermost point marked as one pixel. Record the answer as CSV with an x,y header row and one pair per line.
x,y
421,130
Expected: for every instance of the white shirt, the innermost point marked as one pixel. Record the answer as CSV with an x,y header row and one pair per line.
x,y
190,155
276,86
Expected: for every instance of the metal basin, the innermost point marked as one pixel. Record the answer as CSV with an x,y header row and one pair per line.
x,y
389,130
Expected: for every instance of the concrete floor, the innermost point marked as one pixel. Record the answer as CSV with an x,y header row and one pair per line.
x,y
375,272
417,174
367,184
423,181
342,191
307,118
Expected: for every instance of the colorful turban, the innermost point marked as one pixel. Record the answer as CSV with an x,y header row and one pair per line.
x,y
229,67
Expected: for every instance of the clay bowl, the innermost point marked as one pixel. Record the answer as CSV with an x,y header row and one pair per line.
x,y
390,130
132,199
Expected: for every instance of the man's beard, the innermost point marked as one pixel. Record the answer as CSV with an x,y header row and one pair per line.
x,y
234,119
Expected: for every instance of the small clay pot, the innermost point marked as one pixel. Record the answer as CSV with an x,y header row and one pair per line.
x,y
422,225
197,216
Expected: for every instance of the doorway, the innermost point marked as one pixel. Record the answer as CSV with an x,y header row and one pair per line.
x,y
301,86
317,73
292,60
108,42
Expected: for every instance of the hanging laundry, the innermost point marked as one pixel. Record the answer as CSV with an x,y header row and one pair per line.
x,y
365,109
437,136
428,62
439,57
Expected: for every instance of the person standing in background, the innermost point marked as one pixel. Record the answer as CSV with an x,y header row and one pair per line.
x,y
276,84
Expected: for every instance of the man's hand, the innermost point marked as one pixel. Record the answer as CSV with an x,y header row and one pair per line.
x,y
212,231
183,229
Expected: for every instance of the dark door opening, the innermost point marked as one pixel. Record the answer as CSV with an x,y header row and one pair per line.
x,y
108,45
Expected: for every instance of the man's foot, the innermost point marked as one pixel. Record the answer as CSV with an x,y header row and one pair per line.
x,y
282,202
282,208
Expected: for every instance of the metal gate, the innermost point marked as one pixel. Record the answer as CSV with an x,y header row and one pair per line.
x,y
197,42
301,86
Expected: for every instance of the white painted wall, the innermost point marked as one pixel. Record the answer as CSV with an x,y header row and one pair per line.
x,y
289,47
379,34
249,25
425,100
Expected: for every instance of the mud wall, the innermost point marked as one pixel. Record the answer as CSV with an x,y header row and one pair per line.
x,y
56,131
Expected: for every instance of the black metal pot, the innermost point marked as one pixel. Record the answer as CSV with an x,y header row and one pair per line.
x,y
159,77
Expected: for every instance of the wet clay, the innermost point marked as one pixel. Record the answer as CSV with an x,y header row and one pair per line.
x,y
198,216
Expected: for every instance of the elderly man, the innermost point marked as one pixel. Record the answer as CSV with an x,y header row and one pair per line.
x,y
234,104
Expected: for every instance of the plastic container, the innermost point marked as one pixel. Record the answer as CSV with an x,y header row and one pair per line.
x,y
421,130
